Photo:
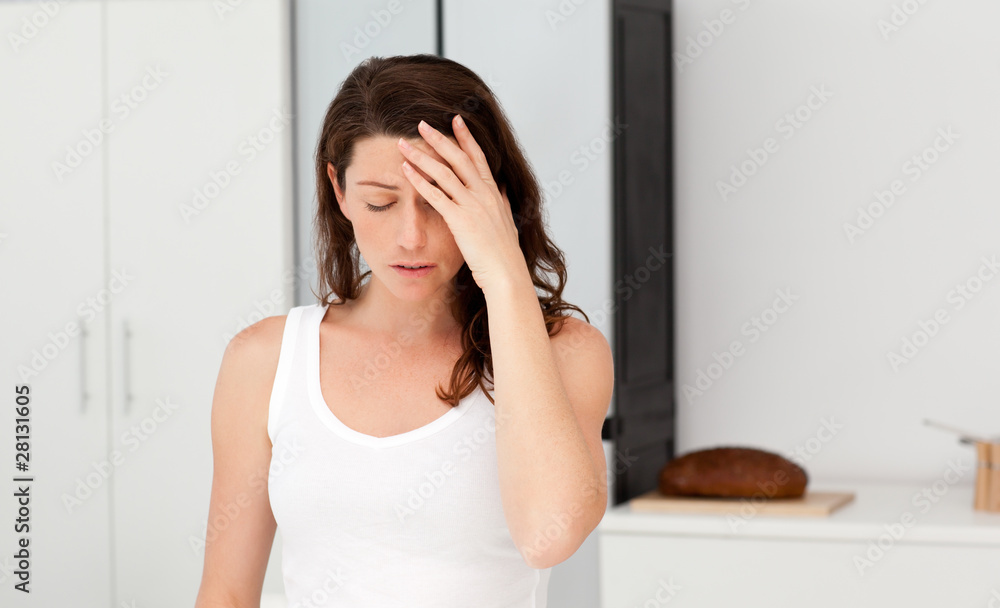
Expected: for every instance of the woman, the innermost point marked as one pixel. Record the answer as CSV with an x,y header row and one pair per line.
x,y
396,477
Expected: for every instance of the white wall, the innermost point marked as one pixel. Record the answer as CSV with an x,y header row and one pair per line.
x,y
827,355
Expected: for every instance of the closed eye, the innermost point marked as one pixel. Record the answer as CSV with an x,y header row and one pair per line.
x,y
377,209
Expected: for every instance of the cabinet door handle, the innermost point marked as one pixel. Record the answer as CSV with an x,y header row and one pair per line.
x,y
83,368
126,366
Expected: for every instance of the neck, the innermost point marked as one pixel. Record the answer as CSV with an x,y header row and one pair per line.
x,y
382,314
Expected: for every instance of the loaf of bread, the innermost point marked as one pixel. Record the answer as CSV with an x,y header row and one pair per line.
x,y
733,472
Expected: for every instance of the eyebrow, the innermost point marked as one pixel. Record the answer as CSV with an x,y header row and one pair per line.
x,y
368,182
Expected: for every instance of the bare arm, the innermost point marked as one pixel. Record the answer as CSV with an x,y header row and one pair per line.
x,y
552,395
241,526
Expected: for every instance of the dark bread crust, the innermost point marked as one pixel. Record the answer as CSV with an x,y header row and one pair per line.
x,y
733,472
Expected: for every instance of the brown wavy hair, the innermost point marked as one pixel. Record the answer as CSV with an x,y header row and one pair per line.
x,y
388,96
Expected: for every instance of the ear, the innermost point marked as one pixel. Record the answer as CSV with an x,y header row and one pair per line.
x,y
331,172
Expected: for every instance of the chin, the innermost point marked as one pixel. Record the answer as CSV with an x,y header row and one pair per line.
x,y
409,289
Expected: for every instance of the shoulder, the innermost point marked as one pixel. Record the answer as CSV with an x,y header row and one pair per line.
x,y
575,336
583,356
252,354
246,375
259,339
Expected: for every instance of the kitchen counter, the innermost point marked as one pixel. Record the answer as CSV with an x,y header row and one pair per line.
x,y
938,517
895,544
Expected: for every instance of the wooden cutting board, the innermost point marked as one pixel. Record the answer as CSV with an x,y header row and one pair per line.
x,y
810,504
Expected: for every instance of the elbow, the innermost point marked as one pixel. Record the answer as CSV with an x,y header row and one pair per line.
x,y
212,598
540,560
557,540
547,551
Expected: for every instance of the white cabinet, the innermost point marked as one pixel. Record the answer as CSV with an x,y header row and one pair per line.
x,y
51,264
865,554
179,220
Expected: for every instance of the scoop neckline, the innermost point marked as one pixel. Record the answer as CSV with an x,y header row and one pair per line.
x,y
333,423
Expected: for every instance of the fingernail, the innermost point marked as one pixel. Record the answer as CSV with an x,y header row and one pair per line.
x,y
404,144
458,120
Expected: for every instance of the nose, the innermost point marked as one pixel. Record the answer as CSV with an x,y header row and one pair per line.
x,y
411,234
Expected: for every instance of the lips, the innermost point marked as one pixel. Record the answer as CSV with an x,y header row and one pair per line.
x,y
414,272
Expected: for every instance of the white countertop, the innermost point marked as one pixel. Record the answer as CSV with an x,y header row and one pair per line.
x,y
947,518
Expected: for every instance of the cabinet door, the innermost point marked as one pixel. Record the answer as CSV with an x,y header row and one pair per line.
x,y
677,571
52,265
200,210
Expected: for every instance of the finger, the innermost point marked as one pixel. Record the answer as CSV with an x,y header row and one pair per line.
x,y
472,149
442,174
432,194
460,158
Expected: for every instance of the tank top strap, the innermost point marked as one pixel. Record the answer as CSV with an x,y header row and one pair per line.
x,y
291,341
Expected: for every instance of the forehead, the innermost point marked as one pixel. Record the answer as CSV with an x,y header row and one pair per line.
x,y
374,151
374,157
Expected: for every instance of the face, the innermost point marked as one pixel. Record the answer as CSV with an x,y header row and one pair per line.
x,y
393,223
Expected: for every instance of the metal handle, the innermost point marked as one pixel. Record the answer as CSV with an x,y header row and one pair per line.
x,y
83,368
126,367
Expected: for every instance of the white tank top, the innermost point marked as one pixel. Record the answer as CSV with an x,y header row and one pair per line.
x,y
410,520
